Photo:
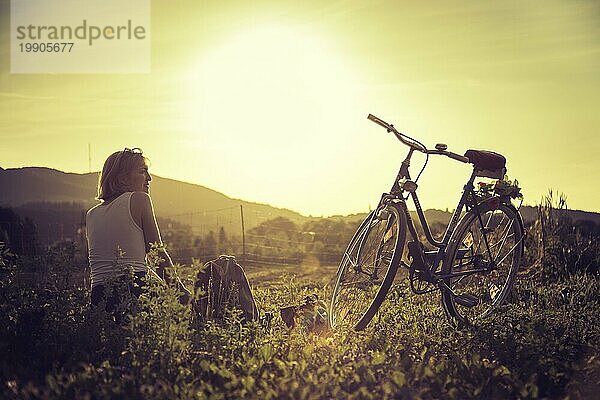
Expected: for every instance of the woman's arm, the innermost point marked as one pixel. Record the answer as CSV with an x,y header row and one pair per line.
x,y
143,214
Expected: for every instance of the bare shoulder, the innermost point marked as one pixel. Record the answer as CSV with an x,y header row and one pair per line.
x,y
91,210
140,198
140,206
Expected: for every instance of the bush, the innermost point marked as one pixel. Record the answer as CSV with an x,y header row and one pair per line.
x,y
558,247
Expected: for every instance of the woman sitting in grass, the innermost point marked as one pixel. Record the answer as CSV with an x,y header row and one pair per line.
x,y
122,229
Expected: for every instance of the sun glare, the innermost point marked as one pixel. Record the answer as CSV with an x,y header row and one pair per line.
x,y
276,101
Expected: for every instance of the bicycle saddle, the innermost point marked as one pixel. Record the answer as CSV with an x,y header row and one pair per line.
x,y
484,159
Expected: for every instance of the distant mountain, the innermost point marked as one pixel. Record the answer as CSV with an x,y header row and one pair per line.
x,y
32,190
529,213
34,184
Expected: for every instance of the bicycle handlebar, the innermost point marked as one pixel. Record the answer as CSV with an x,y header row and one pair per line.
x,y
403,138
413,144
450,154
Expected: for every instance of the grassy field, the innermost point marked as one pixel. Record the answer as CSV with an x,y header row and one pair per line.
x,y
269,275
542,344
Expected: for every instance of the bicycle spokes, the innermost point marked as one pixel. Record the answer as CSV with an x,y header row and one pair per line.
x,y
365,268
499,237
483,265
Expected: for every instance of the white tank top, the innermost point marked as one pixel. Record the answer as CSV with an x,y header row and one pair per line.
x,y
115,242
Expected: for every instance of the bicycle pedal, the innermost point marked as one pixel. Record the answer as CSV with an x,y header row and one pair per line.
x,y
415,252
466,300
429,256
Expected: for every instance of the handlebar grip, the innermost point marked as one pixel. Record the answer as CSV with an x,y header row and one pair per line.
x,y
403,138
379,122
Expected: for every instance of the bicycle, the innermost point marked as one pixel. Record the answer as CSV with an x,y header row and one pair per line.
x,y
473,266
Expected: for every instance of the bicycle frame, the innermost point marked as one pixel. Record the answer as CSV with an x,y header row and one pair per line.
x,y
397,194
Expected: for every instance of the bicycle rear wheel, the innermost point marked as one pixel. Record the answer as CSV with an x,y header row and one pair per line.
x,y
367,268
489,241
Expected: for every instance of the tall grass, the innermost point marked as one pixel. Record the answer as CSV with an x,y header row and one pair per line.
x,y
544,343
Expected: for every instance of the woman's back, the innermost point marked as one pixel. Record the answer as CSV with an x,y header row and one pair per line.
x,y
115,241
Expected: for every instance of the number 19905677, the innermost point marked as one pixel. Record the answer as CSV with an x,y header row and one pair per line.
x,y
64,47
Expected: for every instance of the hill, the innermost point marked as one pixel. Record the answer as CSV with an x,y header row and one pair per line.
x,y
34,191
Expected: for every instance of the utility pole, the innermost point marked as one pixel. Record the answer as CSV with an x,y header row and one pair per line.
x,y
90,156
243,235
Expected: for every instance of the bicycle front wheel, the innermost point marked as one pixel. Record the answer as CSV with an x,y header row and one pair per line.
x,y
483,259
367,268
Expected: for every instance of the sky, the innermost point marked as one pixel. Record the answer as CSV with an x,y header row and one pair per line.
x,y
267,101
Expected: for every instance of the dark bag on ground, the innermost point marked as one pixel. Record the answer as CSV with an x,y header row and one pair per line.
x,y
222,285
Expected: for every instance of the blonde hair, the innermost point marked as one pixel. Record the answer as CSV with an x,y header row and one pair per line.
x,y
111,181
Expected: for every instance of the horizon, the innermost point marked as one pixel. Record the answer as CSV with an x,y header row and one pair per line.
x,y
269,101
251,201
